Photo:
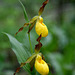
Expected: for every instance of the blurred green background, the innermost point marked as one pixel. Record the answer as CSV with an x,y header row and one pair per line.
x,y
58,47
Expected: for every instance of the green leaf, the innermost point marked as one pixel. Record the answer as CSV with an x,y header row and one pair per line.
x,y
24,10
20,51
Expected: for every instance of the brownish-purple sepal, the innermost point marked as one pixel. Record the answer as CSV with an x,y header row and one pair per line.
x,y
32,22
31,27
18,69
30,60
42,7
19,30
26,24
32,63
39,45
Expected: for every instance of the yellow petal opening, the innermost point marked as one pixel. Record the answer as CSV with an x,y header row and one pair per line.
x,y
41,66
41,28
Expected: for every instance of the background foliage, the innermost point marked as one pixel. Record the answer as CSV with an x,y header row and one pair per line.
x,y
58,47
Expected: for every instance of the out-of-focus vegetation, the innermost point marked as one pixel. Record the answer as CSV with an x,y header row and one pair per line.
x,y
58,47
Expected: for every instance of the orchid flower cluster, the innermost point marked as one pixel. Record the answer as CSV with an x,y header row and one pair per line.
x,y
41,29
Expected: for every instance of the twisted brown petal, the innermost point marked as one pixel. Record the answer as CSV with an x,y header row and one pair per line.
x,y
18,69
39,45
26,24
42,7
30,60
32,22
19,30
31,27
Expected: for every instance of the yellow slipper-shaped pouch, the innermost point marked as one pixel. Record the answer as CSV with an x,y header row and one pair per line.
x,y
41,28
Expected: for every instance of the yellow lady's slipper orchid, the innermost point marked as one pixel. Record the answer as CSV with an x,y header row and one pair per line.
x,y
41,66
41,28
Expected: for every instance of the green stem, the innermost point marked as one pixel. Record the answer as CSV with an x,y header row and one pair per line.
x,y
26,18
30,43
